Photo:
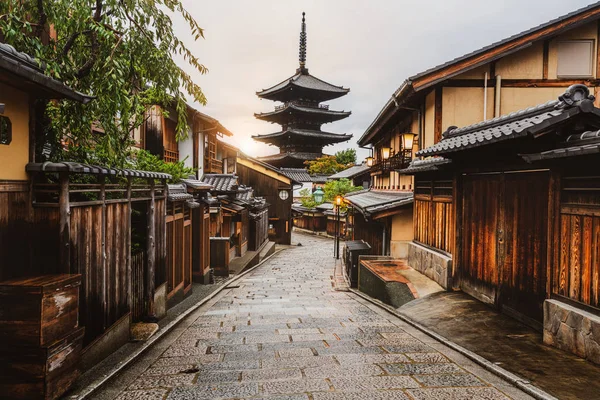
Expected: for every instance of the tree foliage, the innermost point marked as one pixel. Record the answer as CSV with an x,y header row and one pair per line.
x,y
145,161
346,157
326,165
307,200
121,52
329,165
339,187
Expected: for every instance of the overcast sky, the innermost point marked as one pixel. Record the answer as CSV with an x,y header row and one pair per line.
x,y
369,46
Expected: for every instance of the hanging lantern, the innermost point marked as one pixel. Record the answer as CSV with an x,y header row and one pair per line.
x,y
408,140
369,161
385,152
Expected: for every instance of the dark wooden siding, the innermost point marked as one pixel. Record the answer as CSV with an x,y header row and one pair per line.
x,y
504,242
433,214
269,187
578,274
371,232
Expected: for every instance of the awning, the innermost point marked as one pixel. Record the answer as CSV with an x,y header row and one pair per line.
x,y
372,202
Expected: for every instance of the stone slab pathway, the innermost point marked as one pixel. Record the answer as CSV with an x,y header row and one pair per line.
x,y
286,334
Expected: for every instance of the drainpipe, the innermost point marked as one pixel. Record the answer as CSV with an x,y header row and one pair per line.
x,y
485,86
383,247
498,89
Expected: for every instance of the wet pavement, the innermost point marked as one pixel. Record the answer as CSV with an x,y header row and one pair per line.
x,y
283,333
507,343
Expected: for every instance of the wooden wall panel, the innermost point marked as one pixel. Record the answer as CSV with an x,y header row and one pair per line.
x,y
433,214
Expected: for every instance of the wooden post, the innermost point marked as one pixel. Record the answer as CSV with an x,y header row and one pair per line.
x,y
65,224
129,283
151,256
104,266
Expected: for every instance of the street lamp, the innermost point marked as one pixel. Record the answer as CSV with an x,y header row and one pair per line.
x,y
318,195
369,161
338,202
408,140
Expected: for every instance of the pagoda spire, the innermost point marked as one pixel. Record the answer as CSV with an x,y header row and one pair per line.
x,y
303,45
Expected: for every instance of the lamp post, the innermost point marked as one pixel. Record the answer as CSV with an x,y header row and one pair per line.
x,y
338,202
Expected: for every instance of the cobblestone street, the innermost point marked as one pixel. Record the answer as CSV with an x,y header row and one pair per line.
x,y
283,332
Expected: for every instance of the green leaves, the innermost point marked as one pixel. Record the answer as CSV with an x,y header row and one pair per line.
x,y
145,161
121,52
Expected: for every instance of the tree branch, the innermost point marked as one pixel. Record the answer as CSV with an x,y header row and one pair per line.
x,y
42,19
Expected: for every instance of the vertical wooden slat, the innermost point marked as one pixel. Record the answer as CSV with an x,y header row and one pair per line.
x,y
563,277
575,258
65,224
595,269
151,253
586,260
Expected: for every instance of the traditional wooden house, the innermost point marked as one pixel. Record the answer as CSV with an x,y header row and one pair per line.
x,y
276,188
516,208
383,219
522,71
301,176
309,219
359,175
66,222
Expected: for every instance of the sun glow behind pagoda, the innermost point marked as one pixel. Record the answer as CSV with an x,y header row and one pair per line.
x,y
301,115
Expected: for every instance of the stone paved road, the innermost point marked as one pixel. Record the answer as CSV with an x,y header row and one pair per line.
x,y
285,334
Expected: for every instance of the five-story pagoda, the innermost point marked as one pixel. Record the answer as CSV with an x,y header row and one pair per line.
x,y
301,115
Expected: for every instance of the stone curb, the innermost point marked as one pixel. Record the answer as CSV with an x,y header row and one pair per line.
x,y
515,380
94,386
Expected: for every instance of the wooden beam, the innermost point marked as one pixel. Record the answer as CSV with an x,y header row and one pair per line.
x,y
438,129
504,48
151,256
64,224
546,52
522,83
129,283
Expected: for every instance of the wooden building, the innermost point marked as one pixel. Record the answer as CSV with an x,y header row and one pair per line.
x,y
522,71
359,175
383,219
514,202
276,188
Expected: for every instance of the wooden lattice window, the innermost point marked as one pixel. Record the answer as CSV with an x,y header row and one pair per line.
x,y
5,130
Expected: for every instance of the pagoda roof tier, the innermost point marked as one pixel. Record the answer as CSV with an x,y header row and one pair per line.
x,y
303,86
295,159
290,112
290,134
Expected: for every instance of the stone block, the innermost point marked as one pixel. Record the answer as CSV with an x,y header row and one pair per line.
x,y
572,329
434,265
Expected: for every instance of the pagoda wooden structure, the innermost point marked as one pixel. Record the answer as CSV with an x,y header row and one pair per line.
x,y
301,115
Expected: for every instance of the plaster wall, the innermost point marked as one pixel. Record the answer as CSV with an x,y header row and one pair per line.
x,y
402,233
15,156
515,99
477,73
525,64
464,106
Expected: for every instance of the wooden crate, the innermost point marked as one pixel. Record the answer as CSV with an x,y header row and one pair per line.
x,y
38,311
40,372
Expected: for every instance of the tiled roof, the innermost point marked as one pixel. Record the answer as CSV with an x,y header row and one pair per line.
x,y
79,168
576,145
320,178
330,114
245,193
297,156
297,174
428,164
369,202
178,193
350,172
515,125
196,184
221,182
26,67
305,133
305,81
266,165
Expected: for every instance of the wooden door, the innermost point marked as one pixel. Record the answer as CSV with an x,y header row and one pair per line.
x,y
523,243
481,208
504,248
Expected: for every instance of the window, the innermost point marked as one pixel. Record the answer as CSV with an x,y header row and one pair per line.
x,y
5,130
575,59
